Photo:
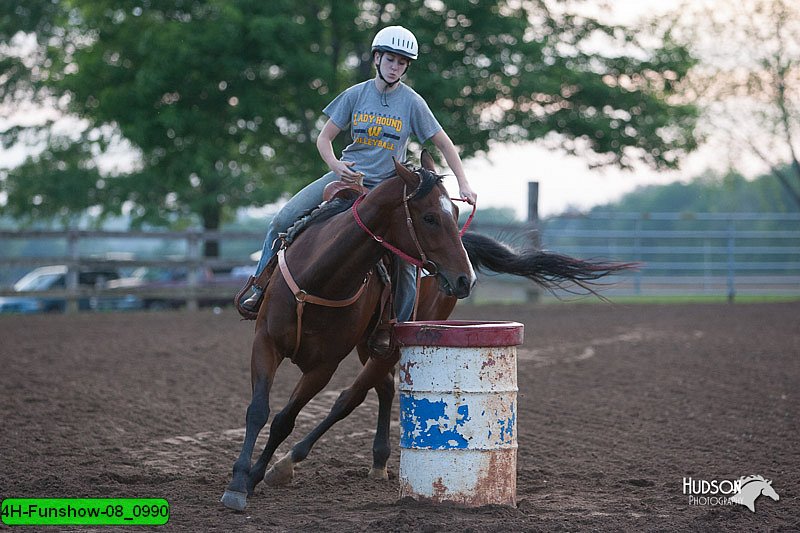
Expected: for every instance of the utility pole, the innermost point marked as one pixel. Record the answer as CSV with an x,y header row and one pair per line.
x,y
533,202
533,293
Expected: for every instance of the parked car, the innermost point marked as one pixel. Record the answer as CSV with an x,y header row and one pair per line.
x,y
167,288
55,278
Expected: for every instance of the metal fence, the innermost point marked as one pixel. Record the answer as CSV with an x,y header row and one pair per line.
x,y
720,254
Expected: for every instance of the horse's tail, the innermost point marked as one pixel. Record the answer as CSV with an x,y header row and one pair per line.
x,y
550,270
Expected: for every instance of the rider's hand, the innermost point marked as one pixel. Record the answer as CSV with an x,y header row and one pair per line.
x,y
467,194
344,171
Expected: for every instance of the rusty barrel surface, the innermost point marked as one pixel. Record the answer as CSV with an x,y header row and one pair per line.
x,y
458,411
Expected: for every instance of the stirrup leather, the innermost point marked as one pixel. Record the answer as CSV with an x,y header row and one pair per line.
x,y
386,318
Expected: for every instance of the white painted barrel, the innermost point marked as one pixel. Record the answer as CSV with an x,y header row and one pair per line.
x,y
458,411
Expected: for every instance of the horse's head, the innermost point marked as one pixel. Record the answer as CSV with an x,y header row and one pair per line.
x,y
433,234
767,490
751,487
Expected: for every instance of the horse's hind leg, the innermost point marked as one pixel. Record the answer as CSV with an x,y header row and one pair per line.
x,y
381,447
264,364
349,399
282,425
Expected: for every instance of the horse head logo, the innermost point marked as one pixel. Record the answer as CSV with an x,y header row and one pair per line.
x,y
751,487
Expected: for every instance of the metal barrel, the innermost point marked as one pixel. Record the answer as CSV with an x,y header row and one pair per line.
x,y
458,411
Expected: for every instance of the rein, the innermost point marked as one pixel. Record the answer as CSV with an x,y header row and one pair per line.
x,y
380,240
469,219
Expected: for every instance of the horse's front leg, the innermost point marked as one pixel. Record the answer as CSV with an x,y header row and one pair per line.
x,y
372,373
282,425
264,364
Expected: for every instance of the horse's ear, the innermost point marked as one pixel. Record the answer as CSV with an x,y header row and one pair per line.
x,y
427,161
411,179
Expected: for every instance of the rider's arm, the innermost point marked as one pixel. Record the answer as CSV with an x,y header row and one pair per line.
x,y
445,145
325,148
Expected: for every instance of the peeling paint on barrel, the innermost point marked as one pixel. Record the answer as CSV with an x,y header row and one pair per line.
x,y
466,477
458,411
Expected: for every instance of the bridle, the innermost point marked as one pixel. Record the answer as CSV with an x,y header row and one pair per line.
x,y
423,263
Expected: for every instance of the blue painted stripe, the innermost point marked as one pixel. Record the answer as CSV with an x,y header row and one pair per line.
x,y
420,424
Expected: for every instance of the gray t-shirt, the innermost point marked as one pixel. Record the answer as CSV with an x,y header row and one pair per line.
x,y
380,126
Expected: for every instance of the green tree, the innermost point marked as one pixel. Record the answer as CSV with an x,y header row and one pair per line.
x,y
707,193
16,21
222,99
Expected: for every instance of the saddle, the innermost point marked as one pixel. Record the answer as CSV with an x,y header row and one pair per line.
x,y
345,189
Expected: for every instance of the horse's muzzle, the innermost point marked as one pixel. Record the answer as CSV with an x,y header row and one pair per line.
x,y
460,287
464,286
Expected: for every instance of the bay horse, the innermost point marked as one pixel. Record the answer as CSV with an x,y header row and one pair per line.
x,y
332,263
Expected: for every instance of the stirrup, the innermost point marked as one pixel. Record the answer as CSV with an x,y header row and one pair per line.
x,y
246,313
260,281
254,302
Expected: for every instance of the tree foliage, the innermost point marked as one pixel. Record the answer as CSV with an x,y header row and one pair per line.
x,y
708,193
222,100
16,21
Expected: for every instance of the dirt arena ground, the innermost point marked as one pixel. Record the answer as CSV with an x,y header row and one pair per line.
x,y
617,405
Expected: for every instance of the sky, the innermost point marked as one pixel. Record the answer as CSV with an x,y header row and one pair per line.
x,y
565,182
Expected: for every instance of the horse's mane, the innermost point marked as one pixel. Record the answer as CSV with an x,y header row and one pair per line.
x,y
428,180
747,479
326,210
320,213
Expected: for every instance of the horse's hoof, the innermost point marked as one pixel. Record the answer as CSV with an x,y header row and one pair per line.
x,y
234,500
378,473
281,473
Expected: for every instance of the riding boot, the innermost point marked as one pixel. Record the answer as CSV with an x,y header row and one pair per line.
x,y
249,307
380,342
254,301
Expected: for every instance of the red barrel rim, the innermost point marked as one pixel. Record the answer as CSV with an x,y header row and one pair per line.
x,y
459,333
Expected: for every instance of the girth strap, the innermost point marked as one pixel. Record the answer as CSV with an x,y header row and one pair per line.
x,y
302,297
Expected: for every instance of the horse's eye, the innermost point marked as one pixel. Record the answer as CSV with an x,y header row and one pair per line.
x,y
429,219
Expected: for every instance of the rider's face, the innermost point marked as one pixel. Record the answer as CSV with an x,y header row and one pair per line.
x,y
392,66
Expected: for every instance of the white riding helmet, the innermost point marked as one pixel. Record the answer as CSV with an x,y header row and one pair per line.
x,y
397,40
